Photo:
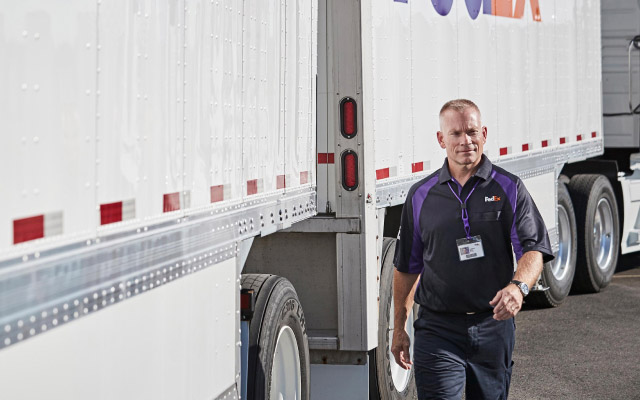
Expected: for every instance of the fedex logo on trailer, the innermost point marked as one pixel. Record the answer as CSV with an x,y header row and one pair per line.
x,y
500,8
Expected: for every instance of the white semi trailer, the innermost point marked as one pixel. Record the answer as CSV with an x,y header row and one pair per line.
x,y
199,197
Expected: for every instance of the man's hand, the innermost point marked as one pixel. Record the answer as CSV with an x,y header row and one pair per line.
x,y
400,348
507,302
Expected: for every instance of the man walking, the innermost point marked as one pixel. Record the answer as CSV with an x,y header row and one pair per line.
x,y
458,228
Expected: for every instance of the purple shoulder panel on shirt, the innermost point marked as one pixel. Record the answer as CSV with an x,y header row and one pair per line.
x,y
415,261
511,190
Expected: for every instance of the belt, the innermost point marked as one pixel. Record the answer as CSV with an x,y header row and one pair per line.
x,y
484,312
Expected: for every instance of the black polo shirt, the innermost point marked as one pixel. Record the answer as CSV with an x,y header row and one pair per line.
x,y
500,210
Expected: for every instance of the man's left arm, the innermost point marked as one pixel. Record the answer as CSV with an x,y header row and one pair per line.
x,y
508,301
531,244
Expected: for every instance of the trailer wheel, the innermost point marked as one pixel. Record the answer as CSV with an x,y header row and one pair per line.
x,y
278,347
598,231
387,381
558,274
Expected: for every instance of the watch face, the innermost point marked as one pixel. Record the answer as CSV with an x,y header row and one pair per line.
x,y
525,288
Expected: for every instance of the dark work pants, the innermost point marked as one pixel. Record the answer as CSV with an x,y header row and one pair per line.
x,y
453,349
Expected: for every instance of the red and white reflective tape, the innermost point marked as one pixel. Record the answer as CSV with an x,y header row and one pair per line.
x,y
220,193
117,211
176,201
254,186
37,227
420,166
326,158
385,173
304,177
545,143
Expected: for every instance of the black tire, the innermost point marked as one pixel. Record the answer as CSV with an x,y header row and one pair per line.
x,y
559,284
276,307
587,193
381,385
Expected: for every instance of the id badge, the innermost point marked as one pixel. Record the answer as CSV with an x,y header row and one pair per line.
x,y
468,249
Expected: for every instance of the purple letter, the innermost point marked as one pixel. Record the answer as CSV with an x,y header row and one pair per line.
x,y
473,7
442,6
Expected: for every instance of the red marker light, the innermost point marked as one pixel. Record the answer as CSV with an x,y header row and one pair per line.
x,y
247,304
349,170
348,117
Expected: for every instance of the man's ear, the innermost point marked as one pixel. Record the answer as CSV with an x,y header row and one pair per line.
x,y
440,136
484,133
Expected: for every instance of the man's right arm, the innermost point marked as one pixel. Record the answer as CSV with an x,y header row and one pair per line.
x,y
408,266
404,287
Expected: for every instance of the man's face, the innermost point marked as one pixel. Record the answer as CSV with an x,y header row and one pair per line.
x,y
463,136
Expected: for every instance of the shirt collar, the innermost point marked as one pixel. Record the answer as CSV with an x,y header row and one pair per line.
x,y
484,170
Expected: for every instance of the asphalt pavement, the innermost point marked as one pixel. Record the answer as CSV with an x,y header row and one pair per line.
x,y
588,348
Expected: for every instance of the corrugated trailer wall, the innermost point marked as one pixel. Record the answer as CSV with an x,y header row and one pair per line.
x,y
47,121
530,74
122,114
143,142
506,65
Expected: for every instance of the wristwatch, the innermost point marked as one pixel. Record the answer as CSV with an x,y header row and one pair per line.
x,y
522,286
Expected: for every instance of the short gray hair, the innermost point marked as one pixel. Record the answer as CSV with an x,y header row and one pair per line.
x,y
459,105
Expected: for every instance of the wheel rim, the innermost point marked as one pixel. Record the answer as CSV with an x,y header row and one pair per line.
x,y
602,233
286,380
400,376
561,264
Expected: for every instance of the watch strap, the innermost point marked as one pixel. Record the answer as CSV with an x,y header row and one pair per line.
x,y
519,285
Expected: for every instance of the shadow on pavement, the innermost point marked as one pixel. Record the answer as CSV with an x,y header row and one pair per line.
x,y
627,262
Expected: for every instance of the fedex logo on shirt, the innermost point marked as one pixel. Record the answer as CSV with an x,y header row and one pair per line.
x,y
491,199
500,8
